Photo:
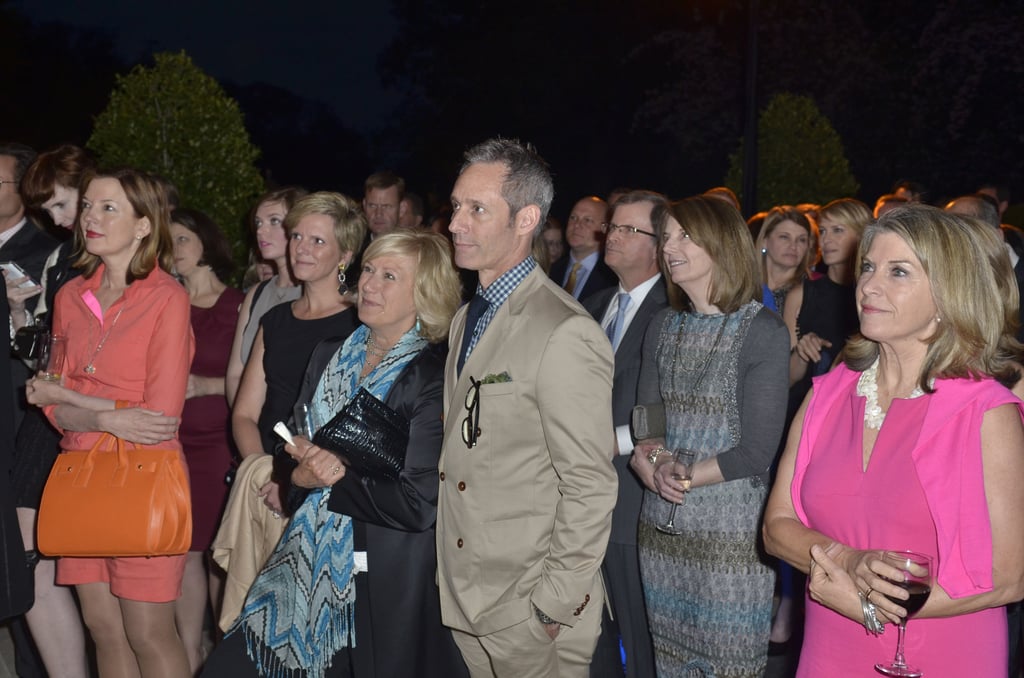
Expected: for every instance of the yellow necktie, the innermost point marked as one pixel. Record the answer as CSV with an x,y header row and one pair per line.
x,y
570,284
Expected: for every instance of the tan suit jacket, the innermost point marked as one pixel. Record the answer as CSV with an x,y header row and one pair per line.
x,y
524,516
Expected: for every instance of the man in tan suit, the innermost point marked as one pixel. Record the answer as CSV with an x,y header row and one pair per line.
x,y
526,480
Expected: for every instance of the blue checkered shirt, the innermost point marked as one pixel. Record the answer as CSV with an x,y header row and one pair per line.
x,y
500,290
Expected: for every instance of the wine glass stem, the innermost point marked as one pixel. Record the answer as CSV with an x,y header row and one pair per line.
x,y
899,660
672,517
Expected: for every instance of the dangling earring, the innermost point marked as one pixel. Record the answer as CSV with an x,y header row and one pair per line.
x,y
342,287
419,328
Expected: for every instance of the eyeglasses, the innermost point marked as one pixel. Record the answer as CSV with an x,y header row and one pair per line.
x,y
380,207
471,424
626,228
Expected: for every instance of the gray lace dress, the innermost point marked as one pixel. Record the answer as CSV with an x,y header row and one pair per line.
x,y
723,380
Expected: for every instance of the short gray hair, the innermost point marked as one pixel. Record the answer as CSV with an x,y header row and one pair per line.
x,y
979,207
527,176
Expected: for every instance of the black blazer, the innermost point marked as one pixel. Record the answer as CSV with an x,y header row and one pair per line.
x,y
16,588
29,248
600,278
624,388
398,608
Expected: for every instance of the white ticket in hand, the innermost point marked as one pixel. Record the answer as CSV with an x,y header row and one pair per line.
x,y
282,430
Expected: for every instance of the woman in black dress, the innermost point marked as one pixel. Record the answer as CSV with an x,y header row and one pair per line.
x,y
822,314
324,230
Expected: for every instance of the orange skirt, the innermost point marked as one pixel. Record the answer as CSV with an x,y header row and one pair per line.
x,y
148,580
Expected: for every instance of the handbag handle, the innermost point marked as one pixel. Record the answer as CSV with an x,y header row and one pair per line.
x,y
106,442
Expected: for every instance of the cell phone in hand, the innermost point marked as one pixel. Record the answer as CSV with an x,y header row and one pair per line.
x,y
12,271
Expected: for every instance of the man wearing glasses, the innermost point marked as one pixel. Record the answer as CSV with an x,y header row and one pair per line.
x,y
24,243
526,481
624,311
21,240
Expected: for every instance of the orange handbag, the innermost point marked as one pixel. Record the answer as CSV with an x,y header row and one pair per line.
x,y
114,501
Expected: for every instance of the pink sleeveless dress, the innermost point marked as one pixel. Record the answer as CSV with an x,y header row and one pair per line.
x,y
922,490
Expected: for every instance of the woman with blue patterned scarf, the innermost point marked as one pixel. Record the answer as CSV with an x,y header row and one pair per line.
x,y
350,590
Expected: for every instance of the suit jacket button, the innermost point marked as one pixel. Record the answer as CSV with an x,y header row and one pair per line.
x,y
459,543
442,476
462,486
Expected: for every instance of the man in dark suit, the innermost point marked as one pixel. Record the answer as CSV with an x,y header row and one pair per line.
x,y
624,311
26,244
21,240
582,271
15,580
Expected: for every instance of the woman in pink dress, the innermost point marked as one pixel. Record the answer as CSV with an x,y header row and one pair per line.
x,y
913,444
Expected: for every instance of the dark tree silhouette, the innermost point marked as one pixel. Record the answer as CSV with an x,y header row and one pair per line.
x,y
56,78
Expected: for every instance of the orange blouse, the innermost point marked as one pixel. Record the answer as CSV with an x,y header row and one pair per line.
x,y
146,353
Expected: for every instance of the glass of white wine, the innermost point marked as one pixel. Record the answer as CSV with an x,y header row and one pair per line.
x,y
51,362
682,472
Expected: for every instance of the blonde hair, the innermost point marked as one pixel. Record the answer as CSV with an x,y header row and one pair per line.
x,y
148,197
717,228
976,303
849,212
344,213
772,219
437,290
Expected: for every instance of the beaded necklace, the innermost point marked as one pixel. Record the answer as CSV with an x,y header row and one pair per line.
x,y
867,387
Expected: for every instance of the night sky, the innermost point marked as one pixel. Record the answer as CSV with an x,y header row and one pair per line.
x,y
647,94
323,51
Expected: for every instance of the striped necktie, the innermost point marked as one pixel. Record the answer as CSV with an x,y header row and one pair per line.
x,y
617,324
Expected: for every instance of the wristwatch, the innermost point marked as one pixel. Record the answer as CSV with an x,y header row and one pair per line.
x,y
543,618
653,455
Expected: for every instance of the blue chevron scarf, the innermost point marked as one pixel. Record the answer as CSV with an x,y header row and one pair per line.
x,y
298,613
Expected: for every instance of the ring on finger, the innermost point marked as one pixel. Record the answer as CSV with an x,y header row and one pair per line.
x,y
335,469
867,594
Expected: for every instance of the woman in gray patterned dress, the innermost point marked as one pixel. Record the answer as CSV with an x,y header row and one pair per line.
x,y
717,360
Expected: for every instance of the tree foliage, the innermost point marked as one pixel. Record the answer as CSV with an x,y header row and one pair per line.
x,y
176,121
800,156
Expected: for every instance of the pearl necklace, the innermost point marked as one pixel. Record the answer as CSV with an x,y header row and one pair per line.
x,y
867,386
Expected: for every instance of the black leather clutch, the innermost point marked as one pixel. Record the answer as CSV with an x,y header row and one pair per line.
x,y
369,435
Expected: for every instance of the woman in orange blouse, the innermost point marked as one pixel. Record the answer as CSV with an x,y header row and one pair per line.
x,y
127,322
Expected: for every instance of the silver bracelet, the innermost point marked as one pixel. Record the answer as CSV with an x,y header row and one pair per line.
x,y
653,455
871,622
